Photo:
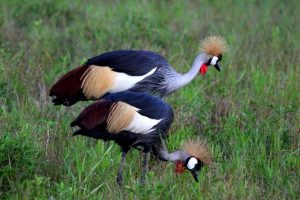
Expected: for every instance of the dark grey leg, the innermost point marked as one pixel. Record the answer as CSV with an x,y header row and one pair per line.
x,y
145,168
120,177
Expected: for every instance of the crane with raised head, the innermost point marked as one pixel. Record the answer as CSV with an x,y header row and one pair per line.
x,y
135,70
139,120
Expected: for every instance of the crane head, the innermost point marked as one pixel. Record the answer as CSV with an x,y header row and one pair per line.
x,y
198,156
214,61
213,47
194,165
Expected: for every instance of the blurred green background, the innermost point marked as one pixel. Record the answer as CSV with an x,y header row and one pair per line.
x,y
249,113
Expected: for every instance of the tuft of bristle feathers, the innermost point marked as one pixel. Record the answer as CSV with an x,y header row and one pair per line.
x,y
198,148
213,45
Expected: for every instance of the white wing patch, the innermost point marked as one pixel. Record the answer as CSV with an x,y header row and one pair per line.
x,y
141,124
123,81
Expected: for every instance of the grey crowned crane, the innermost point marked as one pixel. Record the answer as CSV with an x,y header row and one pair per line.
x,y
135,70
139,120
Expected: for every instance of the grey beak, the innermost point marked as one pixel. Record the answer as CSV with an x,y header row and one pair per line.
x,y
195,175
217,67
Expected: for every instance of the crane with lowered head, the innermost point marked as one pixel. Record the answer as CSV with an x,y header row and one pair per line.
x,y
139,120
136,70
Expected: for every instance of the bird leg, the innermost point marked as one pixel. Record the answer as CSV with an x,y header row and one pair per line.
x,y
120,177
145,167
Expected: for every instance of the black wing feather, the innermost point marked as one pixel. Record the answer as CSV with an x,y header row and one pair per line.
x,y
131,62
151,106
93,115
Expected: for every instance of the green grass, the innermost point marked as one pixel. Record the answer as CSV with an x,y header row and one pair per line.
x,y
249,113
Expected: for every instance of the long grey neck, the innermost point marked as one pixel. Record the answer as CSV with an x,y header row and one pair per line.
x,y
182,79
163,154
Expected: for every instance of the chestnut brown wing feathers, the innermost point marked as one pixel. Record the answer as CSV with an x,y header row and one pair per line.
x,y
93,115
67,90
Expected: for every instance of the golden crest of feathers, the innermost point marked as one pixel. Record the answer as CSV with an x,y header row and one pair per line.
x,y
198,148
120,116
213,45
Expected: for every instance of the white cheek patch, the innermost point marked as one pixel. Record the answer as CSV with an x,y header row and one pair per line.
x,y
192,162
214,60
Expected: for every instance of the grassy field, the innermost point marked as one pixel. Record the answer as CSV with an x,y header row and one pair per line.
x,y
249,113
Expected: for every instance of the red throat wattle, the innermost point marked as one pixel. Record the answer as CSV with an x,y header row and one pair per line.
x,y
179,167
203,69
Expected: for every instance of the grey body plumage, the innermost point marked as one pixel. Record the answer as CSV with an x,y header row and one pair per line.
x,y
167,80
158,83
